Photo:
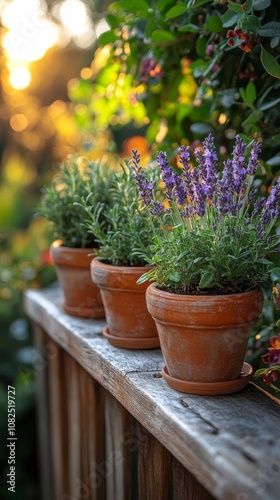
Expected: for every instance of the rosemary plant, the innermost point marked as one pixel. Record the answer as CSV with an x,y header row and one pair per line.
x,y
71,182
124,231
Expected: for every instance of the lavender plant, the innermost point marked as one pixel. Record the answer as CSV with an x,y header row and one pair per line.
x,y
220,236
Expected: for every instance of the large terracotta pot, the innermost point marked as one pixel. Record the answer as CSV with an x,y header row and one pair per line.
x,y
129,324
204,338
81,296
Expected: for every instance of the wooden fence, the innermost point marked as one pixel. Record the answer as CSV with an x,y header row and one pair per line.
x,y
111,429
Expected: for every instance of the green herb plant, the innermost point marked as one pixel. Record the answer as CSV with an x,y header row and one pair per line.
x,y
124,231
75,178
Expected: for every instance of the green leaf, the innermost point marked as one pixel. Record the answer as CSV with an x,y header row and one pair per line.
x,y
270,29
274,42
197,3
261,4
159,36
276,139
265,261
150,27
189,28
269,63
260,371
268,105
274,161
139,7
176,11
107,37
251,93
214,24
201,128
242,93
207,279
113,21
200,46
251,23
175,277
241,269
251,119
275,274
249,5
235,8
161,4
229,18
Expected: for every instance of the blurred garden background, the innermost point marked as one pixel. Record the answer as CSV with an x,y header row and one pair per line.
x,y
97,78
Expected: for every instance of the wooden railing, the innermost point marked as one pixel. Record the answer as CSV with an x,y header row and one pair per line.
x,y
110,428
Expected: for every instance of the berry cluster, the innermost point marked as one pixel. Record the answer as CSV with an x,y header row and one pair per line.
x,y
246,46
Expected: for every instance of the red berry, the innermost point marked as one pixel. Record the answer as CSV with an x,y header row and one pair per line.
x,y
230,33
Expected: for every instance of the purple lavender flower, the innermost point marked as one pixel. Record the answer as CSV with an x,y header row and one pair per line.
x,y
252,195
200,194
224,201
184,158
144,185
238,162
258,206
157,208
179,189
271,208
269,240
260,231
207,160
167,174
253,162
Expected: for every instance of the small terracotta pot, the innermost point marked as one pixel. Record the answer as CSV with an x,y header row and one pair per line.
x,y
129,323
82,297
204,338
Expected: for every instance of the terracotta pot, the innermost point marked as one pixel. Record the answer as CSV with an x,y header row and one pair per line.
x,y
204,338
81,297
129,323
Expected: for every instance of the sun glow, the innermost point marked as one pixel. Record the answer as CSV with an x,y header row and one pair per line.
x,y
20,78
30,32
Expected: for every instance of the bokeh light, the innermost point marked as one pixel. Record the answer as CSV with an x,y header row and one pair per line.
x,y
18,122
30,31
20,78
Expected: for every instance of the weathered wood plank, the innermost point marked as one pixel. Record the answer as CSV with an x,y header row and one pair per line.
x,y
231,444
92,436
72,411
41,342
185,485
154,468
119,454
58,422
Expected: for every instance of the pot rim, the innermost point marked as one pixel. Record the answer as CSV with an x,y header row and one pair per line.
x,y
152,288
57,246
71,257
100,263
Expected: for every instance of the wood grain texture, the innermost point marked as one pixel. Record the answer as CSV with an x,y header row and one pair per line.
x,y
154,466
92,436
231,444
40,341
58,422
119,451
